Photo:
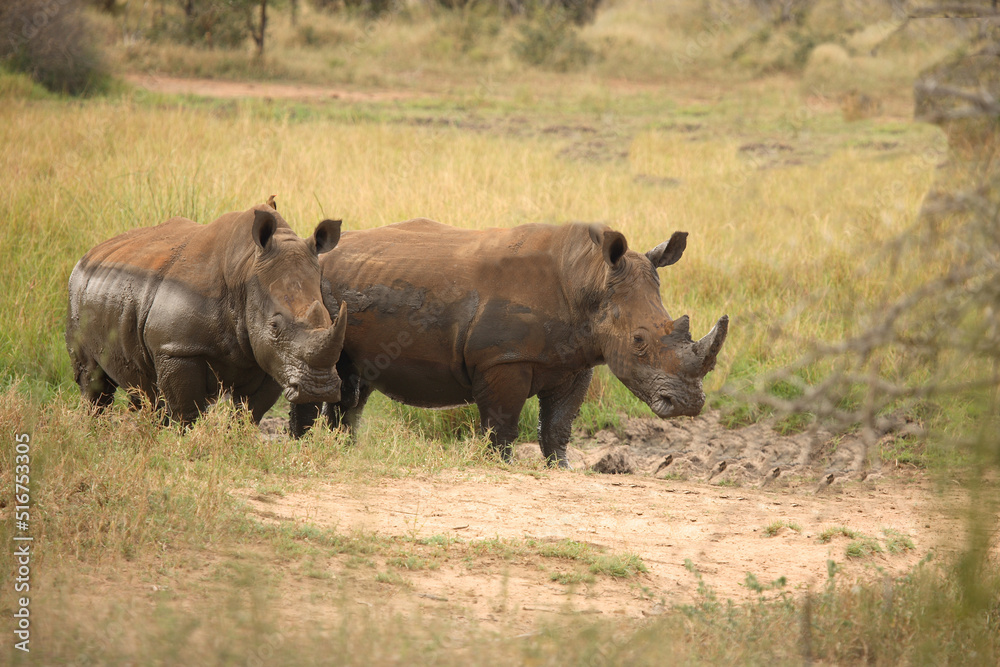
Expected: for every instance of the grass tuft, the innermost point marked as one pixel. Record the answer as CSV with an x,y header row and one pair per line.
x,y
621,566
775,527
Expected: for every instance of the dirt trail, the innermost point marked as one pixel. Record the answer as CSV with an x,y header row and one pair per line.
x,y
718,525
263,89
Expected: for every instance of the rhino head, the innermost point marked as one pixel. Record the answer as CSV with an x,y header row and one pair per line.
x,y
290,330
652,354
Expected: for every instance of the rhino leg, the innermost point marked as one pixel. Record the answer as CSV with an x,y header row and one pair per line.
x,y
557,408
500,395
260,401
348,414
301,417
185,385
354,393
96,387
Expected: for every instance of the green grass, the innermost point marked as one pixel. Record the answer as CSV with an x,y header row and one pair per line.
x,y
896,542
621,566
411,562
753,584
392,578
773,528
863,547
836,531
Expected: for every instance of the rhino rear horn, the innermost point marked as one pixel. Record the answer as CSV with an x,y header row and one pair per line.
x,y
668,252
707,349
682,326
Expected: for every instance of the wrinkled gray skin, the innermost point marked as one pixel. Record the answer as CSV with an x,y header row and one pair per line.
x,y
181,313
440,316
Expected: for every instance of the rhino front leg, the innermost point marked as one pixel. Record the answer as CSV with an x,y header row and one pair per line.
x,y
301,417
261,400
353,394
348,414
500,395
185,385
557,408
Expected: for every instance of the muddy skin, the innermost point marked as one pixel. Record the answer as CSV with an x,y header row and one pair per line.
x,y
440,317
182,313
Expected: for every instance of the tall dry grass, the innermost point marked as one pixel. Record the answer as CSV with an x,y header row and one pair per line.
x,y
772,220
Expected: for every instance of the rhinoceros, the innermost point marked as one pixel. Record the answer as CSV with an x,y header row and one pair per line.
x,y
182,313
440,316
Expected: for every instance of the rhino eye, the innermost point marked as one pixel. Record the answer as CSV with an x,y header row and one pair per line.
x,y
275,325
639,343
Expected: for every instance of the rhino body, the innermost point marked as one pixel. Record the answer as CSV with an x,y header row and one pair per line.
x,y
440,317
182,312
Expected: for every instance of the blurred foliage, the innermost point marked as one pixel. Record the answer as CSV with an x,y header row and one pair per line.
x,y
550,39
50,40
210,23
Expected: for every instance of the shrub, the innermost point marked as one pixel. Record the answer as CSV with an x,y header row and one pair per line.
x,y
50,41
371,8
210,23
550,39
579,11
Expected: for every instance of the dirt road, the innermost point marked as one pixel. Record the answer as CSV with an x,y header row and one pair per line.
x,y
264,89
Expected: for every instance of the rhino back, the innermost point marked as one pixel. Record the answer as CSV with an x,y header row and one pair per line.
x,y
147,291
452,302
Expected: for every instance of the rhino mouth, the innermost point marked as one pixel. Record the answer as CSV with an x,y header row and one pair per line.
x,y
312,389
663,406
666,404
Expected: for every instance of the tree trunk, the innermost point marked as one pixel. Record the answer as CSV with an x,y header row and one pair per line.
x,y
258,32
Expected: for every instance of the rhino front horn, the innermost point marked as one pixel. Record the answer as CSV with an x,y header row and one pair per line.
x,y
331,341
708,347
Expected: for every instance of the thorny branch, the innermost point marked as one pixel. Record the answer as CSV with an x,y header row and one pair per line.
x,y
940,339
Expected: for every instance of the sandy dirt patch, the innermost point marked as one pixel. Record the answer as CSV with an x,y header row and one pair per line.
x,y
717,522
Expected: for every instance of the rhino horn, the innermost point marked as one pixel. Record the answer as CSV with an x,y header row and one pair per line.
x,y
682,325
707,349
316,315
328,343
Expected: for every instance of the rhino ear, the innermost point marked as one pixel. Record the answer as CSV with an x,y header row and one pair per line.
x,y
326,236
613,244
264,224
668,252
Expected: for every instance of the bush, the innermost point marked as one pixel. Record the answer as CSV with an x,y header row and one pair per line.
x,y
578,11
550,39
50,40
467,28
210,23
371,8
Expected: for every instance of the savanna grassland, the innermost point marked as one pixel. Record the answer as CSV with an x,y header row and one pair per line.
x,y
155,545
